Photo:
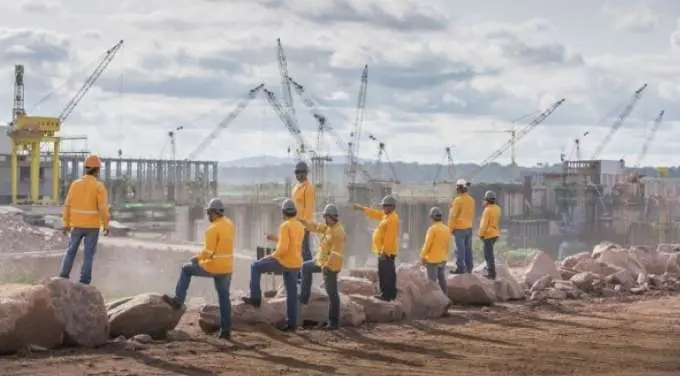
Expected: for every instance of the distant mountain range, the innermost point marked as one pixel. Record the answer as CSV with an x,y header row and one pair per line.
x,y
269,160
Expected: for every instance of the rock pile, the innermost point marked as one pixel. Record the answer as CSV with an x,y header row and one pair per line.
x,y
19,236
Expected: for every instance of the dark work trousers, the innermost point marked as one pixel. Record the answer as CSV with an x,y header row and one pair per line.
x,y
489,256
387,277
306,251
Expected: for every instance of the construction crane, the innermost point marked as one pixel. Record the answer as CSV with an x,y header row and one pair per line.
x,y
29,133
323,123
379,161
173,146
540,118
355,135
649,139
513,137
286,91
619,121
224,123
290,124
448,154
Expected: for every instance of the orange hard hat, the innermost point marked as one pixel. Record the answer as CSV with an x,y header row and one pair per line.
x,y
93,161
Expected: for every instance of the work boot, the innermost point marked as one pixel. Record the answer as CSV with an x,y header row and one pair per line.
x,y
330,326
172,302
253,302
223,334
287,328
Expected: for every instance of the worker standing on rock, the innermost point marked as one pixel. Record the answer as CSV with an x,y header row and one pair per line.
x,y
215,261
435,251
385,244
304,197
86,210
286,259
489,230
461,216
329,262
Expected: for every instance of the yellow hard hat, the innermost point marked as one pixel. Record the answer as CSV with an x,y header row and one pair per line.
x,y
93,161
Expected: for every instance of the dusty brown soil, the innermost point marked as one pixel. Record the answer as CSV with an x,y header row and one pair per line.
x,y
640,337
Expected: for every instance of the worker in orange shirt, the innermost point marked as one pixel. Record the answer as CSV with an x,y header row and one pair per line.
x,y
286,259
385,245
461,216
435,250
489,230
304,197
215,261
86,210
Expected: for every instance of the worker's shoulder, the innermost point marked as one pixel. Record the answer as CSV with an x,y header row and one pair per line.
x,y
337,230
440,227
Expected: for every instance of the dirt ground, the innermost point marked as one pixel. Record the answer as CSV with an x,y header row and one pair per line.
x,y
639,337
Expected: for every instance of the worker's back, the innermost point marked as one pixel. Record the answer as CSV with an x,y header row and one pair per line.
x,y
86,204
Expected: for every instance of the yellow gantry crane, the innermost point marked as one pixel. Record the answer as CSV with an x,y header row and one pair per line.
x,y
29,133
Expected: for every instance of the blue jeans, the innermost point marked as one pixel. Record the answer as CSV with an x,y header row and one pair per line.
x,y
489,256
463,239
222,285
330,282
306,250
89,236
271,265
437,273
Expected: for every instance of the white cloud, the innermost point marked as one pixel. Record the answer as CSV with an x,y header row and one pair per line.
x,y
637,18
433,73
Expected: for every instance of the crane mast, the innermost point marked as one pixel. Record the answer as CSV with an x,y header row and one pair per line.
x,y
225,122
286,91
619,121
519,135
18,108
108,57
355,135
448,153
290,124
650,138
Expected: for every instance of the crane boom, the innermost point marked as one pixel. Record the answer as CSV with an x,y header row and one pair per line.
x,y
287,120
519,135
650,138
323,121
619,121
356,132
106,60
286,91
225,122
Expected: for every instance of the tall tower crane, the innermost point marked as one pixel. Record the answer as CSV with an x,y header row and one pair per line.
x,y
649,139
286,91
355,135
513,138
207,140
523,132
619,121
290,124
382,153
28,133
173,145
448,153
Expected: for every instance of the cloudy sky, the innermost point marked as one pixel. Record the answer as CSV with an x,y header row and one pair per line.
x,y
438,71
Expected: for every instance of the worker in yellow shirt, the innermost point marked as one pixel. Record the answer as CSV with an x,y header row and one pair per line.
x,y
329,262
461,215
215,261
489,230
385,244
304,197
86,210
285,259
435,251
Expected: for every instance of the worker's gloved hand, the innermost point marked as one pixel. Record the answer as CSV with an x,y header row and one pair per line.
x,y
65,230
423,261
106,232
271,237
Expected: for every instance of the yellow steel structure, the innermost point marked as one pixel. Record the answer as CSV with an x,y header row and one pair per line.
x,y
28,134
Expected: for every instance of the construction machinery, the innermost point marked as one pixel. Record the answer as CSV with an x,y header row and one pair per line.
x,y
355,135
448,154
29,133
649,139
540,118
513,139
302,147
619,121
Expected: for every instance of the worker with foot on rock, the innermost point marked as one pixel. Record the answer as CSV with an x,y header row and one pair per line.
x,y
304,197
286,259
329,262
86,210
489,230
385,244
461,215
435,251
215,261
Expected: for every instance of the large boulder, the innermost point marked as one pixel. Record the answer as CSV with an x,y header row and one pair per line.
x,y
356,286
377,310
271,312
541,264
670,248
672,263
81,310
419,297
27,317
627,259
351,313
470,289
600,268
506,286
369,273
570,261
604,246
142,314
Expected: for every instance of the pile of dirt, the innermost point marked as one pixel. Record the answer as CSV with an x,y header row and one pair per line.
x,y
18,236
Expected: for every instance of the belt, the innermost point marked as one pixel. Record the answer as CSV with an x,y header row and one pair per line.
x,y
80,211
215,257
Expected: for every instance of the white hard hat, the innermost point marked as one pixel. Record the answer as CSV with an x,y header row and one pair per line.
x,y
461,182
